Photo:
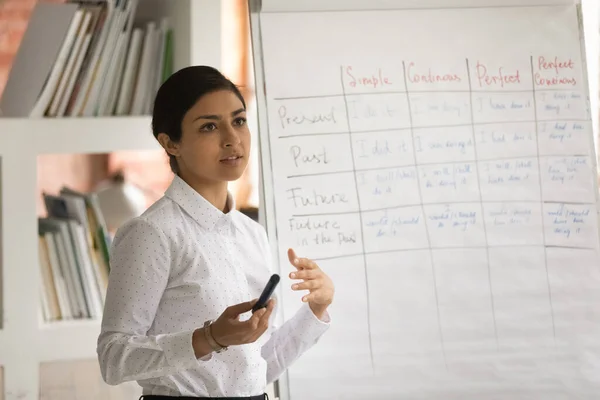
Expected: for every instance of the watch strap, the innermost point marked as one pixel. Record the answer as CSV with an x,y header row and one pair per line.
x,y
217,348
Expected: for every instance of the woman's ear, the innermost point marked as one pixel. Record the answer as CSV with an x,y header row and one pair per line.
x,y
170,146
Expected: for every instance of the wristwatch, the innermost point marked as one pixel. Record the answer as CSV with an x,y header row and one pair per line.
x,y
217,348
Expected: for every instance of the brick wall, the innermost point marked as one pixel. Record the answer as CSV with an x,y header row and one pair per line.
x,y
80,171
14,15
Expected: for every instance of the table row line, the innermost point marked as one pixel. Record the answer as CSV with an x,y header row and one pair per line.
x,y
395,111
540,72
560,180
522,293
459,225
333,153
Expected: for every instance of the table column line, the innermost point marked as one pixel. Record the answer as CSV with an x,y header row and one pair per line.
x,y
362,235
537,149
414,153
487,250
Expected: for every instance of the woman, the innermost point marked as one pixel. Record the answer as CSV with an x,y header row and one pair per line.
x,y
183,274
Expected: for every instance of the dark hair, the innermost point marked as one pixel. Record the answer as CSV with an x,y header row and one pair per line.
x,y
179,93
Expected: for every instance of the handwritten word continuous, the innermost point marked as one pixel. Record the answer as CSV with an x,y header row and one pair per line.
x,y
429,77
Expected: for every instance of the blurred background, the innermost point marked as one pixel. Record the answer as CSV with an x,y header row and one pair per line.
x,y
124,183
146,173
111,187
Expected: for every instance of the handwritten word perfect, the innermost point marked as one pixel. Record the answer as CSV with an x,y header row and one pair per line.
x,y
486,78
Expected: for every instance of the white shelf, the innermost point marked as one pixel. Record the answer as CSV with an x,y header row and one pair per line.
x,y
78,135
24,342
60,335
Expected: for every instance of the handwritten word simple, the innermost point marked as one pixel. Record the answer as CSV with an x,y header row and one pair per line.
x,y
304,119
373,81
415,76
314,199
501,78
301,158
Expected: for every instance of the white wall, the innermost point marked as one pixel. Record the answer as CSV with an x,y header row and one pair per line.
x,y
591,27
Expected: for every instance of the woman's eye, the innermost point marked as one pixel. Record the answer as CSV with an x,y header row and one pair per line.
x,y
208,127
239,121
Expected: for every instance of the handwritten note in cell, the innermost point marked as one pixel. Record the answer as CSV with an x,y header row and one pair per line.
x,y
455,225
324,236
433,75
505,179
567,179
507,140
513,223
362,78
308,116
382,149
390,187
561,105
373,112
394,229
320,195
449,182
448,144
440,109
565,137
499,107
571,225
302,155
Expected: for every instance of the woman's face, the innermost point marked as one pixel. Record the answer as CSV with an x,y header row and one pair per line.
x,y
215,140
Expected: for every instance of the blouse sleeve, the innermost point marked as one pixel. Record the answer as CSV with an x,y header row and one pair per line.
x,y
294,337
140,264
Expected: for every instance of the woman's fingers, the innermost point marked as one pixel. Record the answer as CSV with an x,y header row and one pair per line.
x,y
305,274
263,323
258,323
300,263
307,285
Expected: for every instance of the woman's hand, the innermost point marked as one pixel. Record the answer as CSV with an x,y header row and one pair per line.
x,y
319,285
228,330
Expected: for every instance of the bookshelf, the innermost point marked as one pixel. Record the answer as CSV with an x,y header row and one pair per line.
x,y
25,339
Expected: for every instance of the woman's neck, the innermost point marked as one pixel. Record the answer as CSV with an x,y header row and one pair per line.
x,y
214,192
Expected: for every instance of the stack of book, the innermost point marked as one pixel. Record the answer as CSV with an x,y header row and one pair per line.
x,y
73,253
87,58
